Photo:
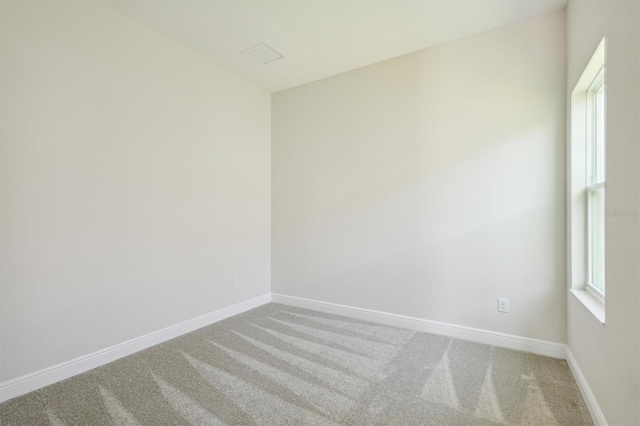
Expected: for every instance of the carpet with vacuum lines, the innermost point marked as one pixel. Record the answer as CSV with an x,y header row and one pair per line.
x,y
280,365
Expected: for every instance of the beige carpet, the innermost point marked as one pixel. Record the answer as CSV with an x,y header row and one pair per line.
x,y
278,365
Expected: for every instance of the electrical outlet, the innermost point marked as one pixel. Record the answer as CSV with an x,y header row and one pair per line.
x,y
236,282
503,305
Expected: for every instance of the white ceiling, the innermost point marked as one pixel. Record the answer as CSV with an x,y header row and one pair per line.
x,y
321,38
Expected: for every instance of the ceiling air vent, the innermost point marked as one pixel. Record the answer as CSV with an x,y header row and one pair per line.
x,y
263,53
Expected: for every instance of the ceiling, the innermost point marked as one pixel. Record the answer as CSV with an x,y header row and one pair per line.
x,y
321,38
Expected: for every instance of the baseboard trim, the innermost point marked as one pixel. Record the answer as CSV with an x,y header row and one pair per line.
x,y
542,347
39,379
589,398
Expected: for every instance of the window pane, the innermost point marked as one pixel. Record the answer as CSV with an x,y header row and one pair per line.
x,y
596,211
599,135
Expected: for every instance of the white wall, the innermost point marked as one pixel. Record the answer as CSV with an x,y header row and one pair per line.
x,y
135,183
430,184
608,355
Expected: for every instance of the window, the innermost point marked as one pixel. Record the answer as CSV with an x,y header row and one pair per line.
x,y
587,181
595,187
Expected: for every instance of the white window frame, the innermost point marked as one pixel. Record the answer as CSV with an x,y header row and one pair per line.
x,y
586,200
595,178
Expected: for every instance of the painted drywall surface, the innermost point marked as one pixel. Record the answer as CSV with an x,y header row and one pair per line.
x,y
431,184
135,183
608,354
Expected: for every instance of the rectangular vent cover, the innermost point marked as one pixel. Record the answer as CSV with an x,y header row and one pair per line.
x,y
263,53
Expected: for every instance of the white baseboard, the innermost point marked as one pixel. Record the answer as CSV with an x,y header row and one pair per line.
x,y
33,381
589,398
542,347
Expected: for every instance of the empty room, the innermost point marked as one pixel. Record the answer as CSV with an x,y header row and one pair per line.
x,y
309,212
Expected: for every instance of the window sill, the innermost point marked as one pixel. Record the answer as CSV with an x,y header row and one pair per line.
x,y
590,302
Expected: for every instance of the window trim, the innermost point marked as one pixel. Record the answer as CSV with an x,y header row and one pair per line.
x,y
586,178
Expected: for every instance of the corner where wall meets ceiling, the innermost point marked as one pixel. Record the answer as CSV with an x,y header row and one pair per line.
x,y
321,38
